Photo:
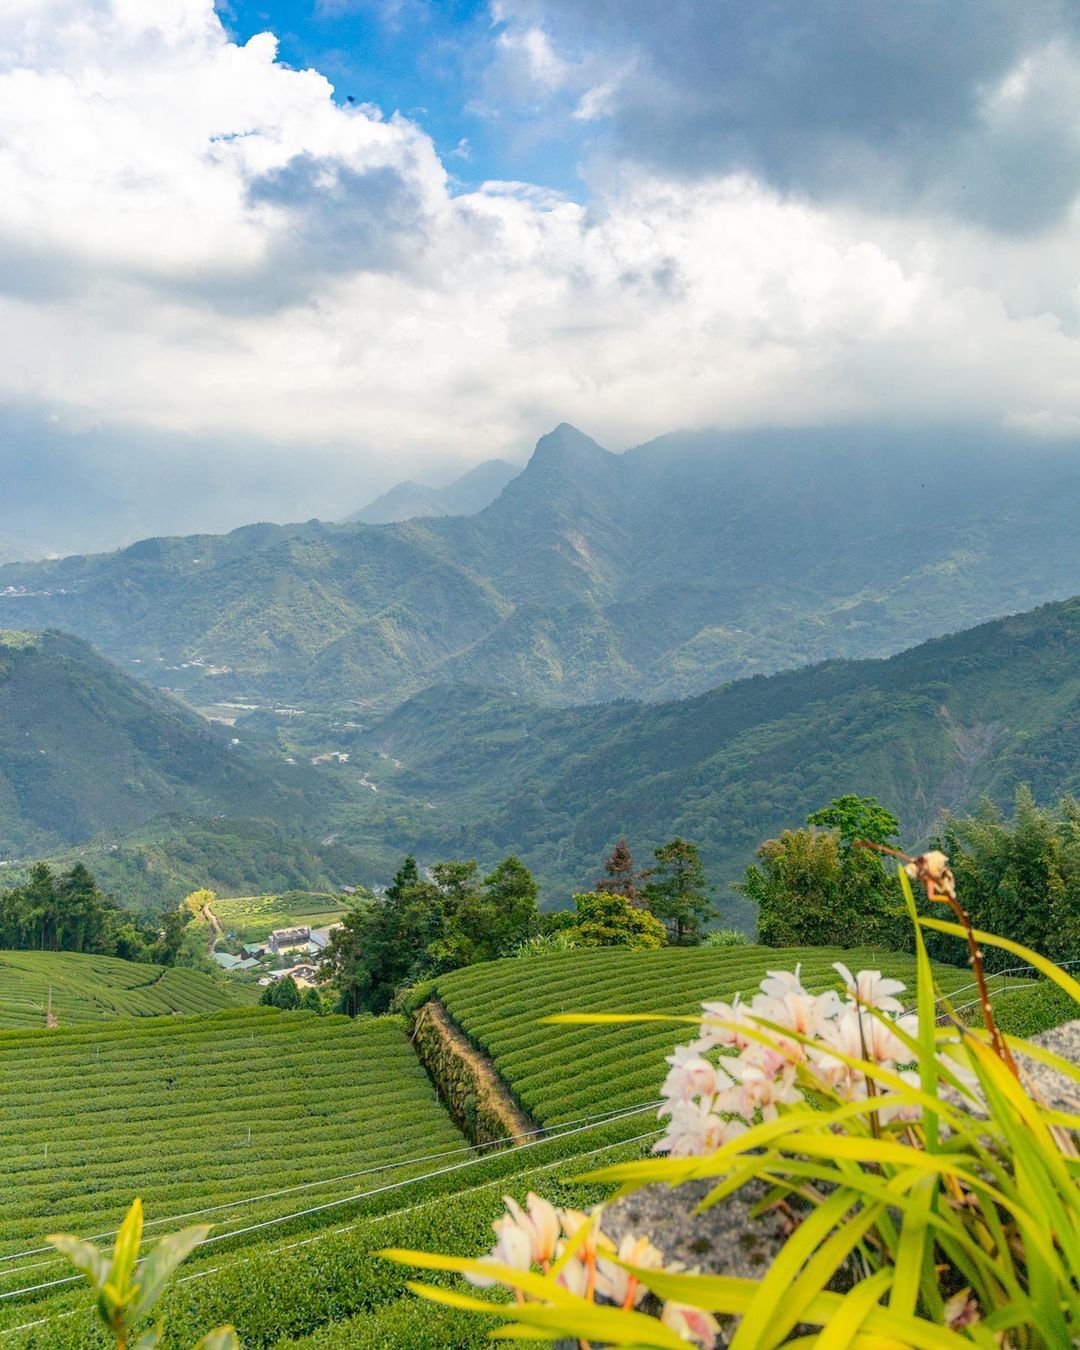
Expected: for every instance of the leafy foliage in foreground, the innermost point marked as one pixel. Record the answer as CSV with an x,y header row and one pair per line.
x,y
948,1190
563,1072
127,1289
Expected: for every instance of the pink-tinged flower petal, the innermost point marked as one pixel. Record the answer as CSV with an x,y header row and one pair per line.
x,y
695,1325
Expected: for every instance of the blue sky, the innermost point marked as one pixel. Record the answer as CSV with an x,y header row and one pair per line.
x,y
427,59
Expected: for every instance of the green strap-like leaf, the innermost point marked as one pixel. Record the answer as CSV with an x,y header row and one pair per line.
x,y
1052,972
159,1266
839,1331
84,1256
126,1250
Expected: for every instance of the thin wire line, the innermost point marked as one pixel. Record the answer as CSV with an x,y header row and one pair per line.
x,y
344,1176
333,1204
348,1228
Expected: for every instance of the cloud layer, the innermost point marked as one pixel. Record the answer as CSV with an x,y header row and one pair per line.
x,y
786,224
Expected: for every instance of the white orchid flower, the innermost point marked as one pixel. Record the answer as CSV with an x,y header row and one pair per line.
x,y
540,1223
694,1325
871,989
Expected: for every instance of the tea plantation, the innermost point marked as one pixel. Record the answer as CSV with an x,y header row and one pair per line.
x,y
97,988
559,1073
254,917
243,1105
201,1111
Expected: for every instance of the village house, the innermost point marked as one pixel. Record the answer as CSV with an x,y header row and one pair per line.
x,y
281,938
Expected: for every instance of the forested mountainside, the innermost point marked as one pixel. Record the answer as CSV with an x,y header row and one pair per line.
x,y
463,497
930,729
464,772
87,751
654,574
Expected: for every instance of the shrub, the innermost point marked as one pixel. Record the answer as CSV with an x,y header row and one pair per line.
x,y
607,919
725,937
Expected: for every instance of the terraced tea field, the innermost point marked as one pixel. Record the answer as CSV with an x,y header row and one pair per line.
x,y
197,1111
560,1073
98,988
254,917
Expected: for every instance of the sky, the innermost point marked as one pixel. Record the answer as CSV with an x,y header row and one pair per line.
x,y
260,261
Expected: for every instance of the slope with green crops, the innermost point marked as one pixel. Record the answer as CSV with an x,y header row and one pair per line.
x,y
559,1073
204,1111
254,917
84,988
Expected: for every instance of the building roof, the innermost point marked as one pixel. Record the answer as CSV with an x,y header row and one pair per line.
x,y
226,960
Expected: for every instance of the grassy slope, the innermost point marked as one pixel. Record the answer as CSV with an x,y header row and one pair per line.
x,y
202,1111
561,1073
99,988
254,917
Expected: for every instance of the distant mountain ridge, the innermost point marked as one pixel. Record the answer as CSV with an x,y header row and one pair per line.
x,y
87,753
931,729
695,559
463,497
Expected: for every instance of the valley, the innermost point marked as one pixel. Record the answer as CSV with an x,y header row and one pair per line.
x,y
655,574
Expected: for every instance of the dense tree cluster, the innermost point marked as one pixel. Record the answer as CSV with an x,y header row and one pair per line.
x,y
66,912
814,888
1018,877
428,923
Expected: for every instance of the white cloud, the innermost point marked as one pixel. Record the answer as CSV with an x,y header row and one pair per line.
x,y
195,239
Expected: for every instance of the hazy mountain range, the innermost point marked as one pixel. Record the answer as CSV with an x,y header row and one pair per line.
x,y
691,560
931,729
460,772
463,497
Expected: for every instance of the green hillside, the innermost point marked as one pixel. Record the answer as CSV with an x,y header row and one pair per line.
x,y
71,723
99,988
930,729
562,1073
253,917
656,573
188,1112
97,768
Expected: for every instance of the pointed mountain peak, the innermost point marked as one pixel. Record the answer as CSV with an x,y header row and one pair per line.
x,y
566,443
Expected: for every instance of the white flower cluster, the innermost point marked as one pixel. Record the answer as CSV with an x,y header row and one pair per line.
x,y
708,1101
538,1236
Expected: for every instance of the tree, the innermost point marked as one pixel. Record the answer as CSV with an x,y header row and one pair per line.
x,y
170,937
678,894
1018,877
482,920
620,877
283,993
857,818
608,919
311,1001
197,901
424,925
813,889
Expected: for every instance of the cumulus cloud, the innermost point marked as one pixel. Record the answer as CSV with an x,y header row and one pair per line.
x,y
198,246
968,106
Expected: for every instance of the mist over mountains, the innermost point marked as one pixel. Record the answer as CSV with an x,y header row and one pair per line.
x,y
692,560
463,497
